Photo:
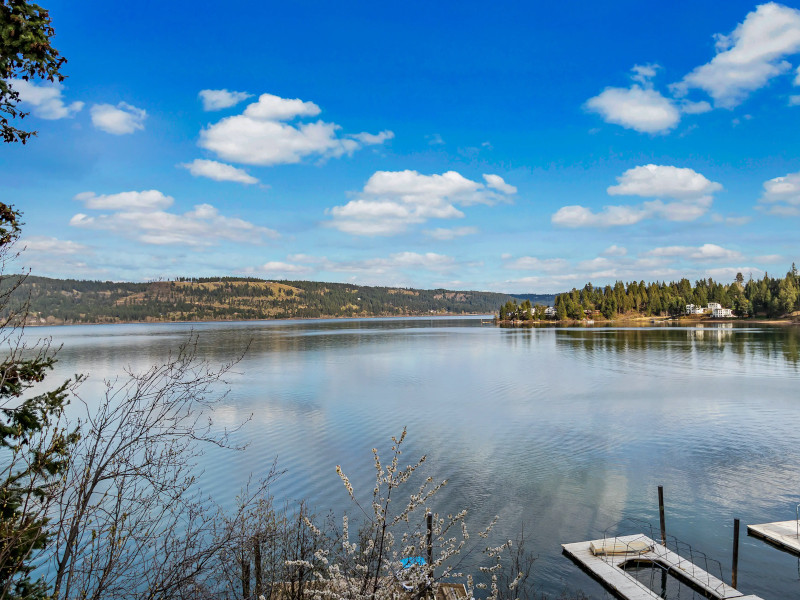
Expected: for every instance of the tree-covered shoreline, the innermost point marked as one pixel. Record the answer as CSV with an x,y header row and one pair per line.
x,y
767,297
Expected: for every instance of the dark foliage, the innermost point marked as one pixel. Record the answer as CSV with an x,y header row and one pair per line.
x,y
766,297
25,53
34,448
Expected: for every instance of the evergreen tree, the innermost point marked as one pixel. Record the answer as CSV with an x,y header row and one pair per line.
x,y
34,446
25,53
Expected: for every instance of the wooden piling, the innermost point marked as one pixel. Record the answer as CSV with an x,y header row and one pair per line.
x,y
430,538
245,574
735,566
257,564
661,515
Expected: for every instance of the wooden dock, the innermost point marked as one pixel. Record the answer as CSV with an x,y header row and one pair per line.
x,y
604,559
782,534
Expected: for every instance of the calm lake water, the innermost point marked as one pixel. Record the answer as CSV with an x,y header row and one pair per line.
x,y
568,431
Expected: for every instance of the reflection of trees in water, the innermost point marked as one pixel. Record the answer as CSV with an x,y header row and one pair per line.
x,y
791,347
769,343
624,340
772,343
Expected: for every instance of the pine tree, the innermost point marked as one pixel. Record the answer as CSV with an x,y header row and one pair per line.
x,y
34,446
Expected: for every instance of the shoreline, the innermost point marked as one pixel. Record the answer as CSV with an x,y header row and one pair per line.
x,y
331,318
784,321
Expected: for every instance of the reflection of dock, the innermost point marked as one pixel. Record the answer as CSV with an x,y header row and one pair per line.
x,y
783,534
606,560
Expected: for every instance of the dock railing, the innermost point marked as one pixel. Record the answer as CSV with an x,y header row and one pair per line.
x,y
676,558
797,521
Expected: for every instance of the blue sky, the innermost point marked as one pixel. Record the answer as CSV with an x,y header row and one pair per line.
x,y
519,147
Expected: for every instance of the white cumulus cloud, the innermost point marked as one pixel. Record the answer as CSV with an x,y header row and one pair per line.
x,y
399,268
219,99
749,57
700,253
694,108
394,264
281,270
52,246
45,99
496,182
263,135
663,180
532,263
218,171
445,234
54,257
638,107
644,74
611,216
140,216
372,139
145,200
618,215
391,201
615,250
119,120
691,192
782,195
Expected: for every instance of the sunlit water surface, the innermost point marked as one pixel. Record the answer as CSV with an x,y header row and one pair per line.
x,y
568,431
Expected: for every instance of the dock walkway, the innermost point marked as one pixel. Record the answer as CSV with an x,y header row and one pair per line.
x,y
605,558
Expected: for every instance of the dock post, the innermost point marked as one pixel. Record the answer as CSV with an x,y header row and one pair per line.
x,y
245,574
661,515
429,517
735,567
257,564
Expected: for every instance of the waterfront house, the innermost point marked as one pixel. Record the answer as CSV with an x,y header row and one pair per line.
x,y
721,313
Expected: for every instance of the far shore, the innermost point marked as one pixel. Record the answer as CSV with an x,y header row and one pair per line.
x,y
330,318
639,319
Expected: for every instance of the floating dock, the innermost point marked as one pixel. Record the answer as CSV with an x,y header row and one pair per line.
x,y
606,558
782,534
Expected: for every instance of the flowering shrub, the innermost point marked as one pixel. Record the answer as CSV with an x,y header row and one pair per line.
x,y
382,562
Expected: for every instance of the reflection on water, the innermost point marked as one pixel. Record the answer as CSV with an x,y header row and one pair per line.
x,y
567,430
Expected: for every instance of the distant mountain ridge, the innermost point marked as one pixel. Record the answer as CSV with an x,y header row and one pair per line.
x,y
69,301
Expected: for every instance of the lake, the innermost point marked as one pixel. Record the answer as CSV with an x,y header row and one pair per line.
x,y
568,431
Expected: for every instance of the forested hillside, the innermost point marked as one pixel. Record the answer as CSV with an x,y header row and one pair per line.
x,y
58,301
